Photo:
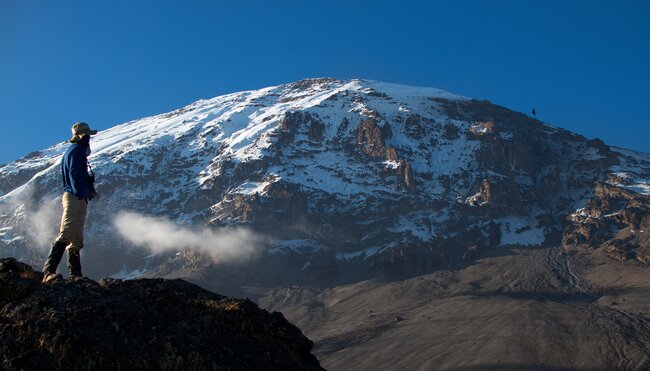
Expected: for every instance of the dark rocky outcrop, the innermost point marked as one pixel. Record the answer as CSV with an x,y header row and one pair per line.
x,y
405,176
288,126
291,123
616,220
138,325
371,138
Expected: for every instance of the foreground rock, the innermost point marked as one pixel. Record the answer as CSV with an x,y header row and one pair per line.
x,y
140,324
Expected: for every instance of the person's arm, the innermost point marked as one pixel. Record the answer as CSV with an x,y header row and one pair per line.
x,y
79,174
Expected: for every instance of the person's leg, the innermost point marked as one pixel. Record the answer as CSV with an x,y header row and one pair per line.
x,y
74,263
72,225
78,220
56,253
54,258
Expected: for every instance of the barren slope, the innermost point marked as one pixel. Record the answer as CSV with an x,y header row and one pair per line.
x,y
525,309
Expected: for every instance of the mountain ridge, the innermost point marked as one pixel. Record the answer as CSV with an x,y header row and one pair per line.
x,y
357,168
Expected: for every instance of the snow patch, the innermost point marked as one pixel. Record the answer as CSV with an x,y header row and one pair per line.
x,y
520,230
391,164
479,129
592,154
640,188
365,253
251,188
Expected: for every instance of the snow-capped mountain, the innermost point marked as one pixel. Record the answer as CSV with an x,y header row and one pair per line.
x,y
339,176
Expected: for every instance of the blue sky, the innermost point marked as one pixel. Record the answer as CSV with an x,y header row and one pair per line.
x,y
584,65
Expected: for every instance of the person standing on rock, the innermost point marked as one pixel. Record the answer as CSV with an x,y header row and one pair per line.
x,y
77,190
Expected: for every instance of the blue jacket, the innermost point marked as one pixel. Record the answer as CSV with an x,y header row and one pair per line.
x,y
74,169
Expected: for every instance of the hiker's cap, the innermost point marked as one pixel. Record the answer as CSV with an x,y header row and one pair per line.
x,y
79,130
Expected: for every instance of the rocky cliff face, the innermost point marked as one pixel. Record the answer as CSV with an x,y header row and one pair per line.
x,y
616,220
339,177
138,325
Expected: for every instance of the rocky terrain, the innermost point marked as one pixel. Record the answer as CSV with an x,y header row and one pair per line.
x,y
451,231
616,220
138,325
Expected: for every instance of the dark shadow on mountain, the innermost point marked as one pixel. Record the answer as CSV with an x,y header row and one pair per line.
x,y
322,270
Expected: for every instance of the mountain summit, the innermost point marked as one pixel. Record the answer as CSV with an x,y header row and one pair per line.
x,y
338,180
398,227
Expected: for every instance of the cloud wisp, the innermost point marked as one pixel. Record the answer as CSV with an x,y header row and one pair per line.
x,y
44,223
33,222
231,244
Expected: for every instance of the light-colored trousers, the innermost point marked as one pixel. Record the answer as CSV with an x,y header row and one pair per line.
x,y
72,221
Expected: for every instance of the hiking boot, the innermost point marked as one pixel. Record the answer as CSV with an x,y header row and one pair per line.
x,y
51,277
74,263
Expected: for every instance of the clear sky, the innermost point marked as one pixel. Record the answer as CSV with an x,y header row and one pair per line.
x,y
584,65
